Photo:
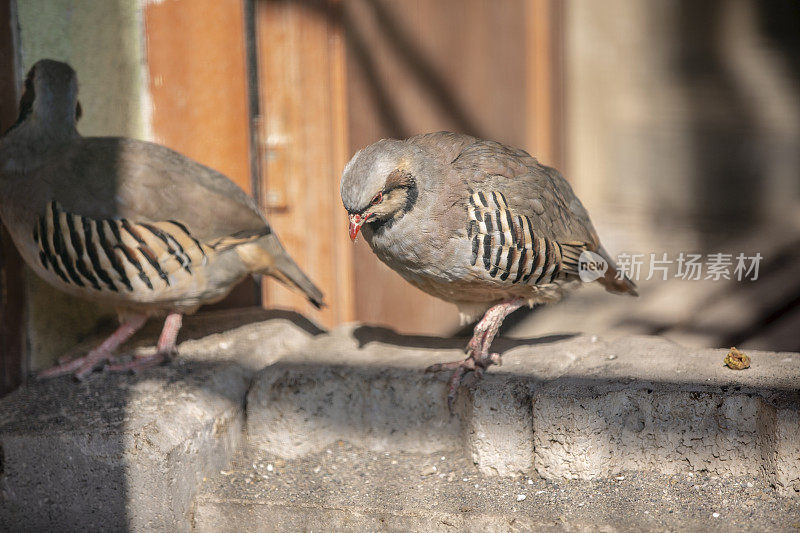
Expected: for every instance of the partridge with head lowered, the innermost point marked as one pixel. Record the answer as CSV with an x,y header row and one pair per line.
x,y
473,222
126,222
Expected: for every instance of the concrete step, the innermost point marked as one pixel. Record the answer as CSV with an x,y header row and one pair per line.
x,y
349,488
127,452
112,454
562,408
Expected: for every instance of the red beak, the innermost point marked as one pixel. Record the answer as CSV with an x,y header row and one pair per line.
x,y
356,221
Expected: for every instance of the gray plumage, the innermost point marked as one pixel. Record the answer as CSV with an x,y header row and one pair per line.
x,y
470,221
126,222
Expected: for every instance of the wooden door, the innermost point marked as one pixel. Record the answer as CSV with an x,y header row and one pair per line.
x,y
197,62
275,125
303,147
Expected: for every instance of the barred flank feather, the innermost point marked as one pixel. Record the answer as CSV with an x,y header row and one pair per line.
x,y
508,247
123,255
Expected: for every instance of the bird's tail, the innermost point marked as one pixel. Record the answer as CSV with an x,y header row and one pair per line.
x,y
266,256
612,281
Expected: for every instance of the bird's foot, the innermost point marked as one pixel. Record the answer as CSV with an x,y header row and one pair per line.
x,y
80,367
479,358
475,362
139,362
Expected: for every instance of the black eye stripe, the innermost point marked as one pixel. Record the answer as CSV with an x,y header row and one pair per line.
x,y
412,193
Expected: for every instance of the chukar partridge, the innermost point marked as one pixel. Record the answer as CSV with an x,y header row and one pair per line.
x,y
473,222
126,222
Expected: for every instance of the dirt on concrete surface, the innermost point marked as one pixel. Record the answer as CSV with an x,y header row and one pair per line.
x,y
352,489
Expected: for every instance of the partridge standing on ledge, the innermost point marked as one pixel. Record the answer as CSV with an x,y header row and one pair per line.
x,y
473,222
125,222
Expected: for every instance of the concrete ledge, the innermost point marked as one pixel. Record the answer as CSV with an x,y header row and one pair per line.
x,y
129,452
122,452
570,408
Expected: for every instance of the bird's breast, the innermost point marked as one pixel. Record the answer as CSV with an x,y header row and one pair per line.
x,y
421,253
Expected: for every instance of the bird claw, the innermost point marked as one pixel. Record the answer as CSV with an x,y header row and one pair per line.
x,y
87,368
452,365
452,390
141,362
79,367
475,362
82,367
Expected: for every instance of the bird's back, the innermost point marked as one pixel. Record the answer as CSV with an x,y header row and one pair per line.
x,y
532,189
108,177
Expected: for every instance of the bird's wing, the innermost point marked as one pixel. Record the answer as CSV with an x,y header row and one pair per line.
x,y
531,189
525,224
105,178
116,254
122,214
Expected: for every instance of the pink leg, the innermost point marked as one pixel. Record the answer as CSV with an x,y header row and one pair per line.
x,y
478,358
490,325
83,366
164,349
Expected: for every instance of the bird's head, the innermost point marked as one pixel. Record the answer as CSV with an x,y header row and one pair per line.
x,y
50,96
379,185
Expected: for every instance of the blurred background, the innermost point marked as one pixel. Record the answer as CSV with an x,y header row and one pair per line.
x,y
677,122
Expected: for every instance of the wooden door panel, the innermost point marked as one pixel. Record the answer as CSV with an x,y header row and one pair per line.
x,y
304,143
196,56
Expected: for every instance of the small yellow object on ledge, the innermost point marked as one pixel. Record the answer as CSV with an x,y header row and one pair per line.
x,y
737,360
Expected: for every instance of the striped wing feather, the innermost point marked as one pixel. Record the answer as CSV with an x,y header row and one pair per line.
x,y
510,249
117,254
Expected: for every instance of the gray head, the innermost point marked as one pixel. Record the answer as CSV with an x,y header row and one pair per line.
x,y
51,97
379,185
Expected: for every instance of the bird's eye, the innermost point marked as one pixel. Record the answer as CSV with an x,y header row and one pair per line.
x,y
377,199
